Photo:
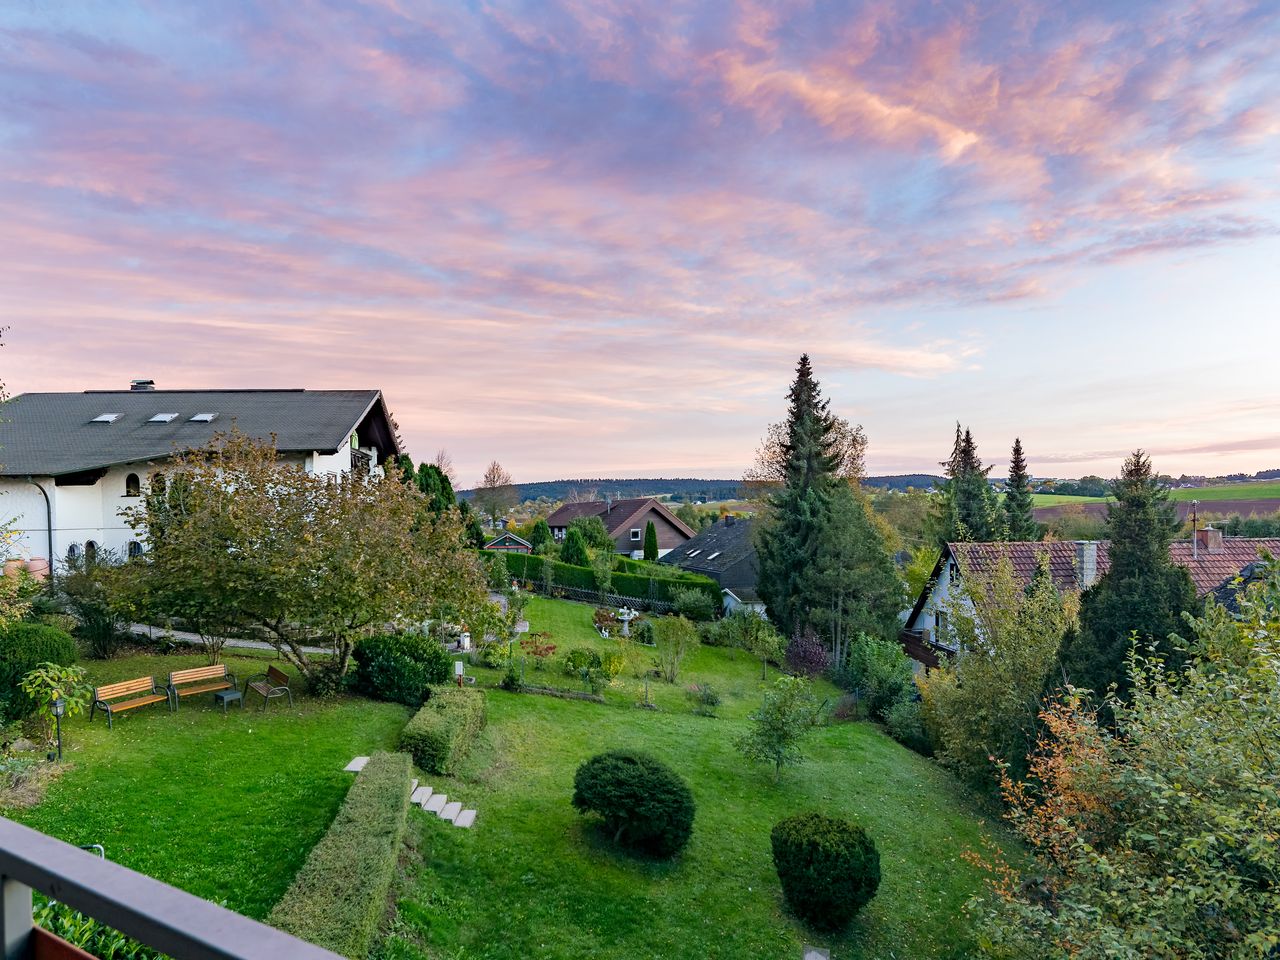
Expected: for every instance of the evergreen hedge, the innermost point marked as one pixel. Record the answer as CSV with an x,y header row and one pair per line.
x,y
642,587
23,647
338,898
440,734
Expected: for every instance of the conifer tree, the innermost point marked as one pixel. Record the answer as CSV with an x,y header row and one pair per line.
x,y
650,542
1019,519
540,536
574,549
1143,592
790,536
968,509
435,486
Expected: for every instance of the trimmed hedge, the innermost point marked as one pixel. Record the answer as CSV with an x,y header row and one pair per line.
x,y
23,647
440,734
338,898
829,868
524,566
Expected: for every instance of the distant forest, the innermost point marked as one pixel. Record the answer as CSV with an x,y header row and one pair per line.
x,y
680,489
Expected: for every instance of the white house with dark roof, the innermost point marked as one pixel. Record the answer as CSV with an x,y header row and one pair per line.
x,y
69,462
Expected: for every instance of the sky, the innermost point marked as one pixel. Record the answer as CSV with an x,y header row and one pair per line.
x,y
592,237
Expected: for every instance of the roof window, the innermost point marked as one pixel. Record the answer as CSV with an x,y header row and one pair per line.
x,y
203,418
694,553
106,418
714,555
163,418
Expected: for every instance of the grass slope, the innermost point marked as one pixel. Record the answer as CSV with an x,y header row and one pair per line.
x,y
223,807
535,880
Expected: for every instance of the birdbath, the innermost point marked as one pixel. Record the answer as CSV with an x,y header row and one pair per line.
x,y
626,615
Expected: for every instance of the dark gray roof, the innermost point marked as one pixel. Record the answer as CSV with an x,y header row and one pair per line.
x,y
716,549
51,434
1228,592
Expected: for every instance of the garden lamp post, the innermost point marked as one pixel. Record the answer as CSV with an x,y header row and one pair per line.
x,y
59,708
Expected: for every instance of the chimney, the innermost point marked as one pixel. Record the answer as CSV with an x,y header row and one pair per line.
x,y
729,519
1087,562
1210,540
141,385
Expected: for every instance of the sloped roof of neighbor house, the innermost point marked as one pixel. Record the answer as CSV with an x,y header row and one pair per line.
x,y
52,434
717,548
616,514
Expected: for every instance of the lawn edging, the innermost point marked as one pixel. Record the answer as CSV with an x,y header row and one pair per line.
x,y
338,898
439,735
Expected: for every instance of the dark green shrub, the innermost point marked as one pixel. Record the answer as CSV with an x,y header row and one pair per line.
x,y
693,604
400,667
23,646
338,898
829,868
88,934
643,803
86,588
440,734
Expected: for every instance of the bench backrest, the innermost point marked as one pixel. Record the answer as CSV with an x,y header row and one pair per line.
x,y
277,677
198,673
124,688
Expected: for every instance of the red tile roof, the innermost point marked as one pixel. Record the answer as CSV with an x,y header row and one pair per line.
x,y
1208,570
615,515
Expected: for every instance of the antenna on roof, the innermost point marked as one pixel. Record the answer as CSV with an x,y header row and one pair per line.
x,y
1195,551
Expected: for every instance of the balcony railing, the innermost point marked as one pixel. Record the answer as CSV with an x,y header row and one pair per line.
x,y
163,917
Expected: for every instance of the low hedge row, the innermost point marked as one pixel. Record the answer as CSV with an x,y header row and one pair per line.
x,y
338,898
440,734
525,566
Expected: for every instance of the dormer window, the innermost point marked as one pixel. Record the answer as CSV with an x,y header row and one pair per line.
x,y
106,418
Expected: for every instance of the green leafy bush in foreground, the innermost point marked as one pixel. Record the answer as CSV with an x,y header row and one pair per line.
x,y
23,647
643,803
829,868
88,934
338,898
441,733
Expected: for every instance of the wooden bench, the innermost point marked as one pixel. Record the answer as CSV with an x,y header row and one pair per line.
x,y
186,683
109,698
274,683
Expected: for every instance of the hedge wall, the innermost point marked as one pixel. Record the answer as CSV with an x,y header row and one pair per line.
x,y
338,898
642,588
440,734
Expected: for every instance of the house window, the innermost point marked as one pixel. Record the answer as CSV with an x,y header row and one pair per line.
x,y
635,534
90,551
73,553
132,486
135,549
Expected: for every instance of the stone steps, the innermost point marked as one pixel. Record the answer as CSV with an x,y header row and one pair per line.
x,y
430,801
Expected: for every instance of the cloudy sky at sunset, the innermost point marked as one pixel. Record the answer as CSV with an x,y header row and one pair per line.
x,y
591,238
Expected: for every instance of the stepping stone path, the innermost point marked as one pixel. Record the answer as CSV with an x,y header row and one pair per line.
x,y
435,803
465,819
420,795
429,801
356,765
451,811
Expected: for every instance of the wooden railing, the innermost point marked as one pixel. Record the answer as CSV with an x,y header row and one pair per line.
x,y
163,917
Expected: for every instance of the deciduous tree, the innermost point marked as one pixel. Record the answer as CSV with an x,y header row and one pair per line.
x,y
496,494
780,724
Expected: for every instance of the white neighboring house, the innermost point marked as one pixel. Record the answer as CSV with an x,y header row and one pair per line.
x,y
70,461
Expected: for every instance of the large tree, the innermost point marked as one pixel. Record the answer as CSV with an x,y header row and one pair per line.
x,y
769,471
1142,594
968,509
435,485
793,525
496,494
241,542
1019,519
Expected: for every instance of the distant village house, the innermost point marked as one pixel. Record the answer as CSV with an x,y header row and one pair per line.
x,y
625,520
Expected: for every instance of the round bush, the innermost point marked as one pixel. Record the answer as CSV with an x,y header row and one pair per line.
x,y
24,646
644,804
400,667
829,868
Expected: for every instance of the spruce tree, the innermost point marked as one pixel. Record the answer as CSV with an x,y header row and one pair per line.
x,y
650,542
1019,519
574,549
435,486
1143,592
968,509
540,536
789,539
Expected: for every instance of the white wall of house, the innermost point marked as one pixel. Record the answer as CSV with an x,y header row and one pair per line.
x,y
92,513
940,594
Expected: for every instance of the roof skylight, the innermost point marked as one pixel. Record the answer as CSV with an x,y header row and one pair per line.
x,y
106,418
163,418
203,418
714,555
694,553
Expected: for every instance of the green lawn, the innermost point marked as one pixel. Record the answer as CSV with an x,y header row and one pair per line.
x,y
1261,490
1057,499
224,807
532,879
